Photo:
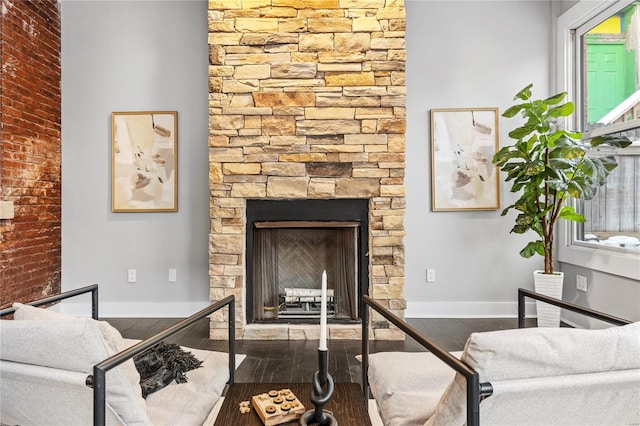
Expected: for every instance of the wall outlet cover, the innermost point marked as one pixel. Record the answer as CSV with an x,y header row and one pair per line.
x,y
581,282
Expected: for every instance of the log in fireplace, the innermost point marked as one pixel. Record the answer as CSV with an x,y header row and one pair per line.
x,y
304,303
290,243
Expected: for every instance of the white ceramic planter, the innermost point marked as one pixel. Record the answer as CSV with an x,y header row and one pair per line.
x,y
549,285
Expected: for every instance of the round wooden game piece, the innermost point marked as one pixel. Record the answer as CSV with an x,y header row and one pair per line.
x,y
270,409
290,397
278,400
273,393
285,407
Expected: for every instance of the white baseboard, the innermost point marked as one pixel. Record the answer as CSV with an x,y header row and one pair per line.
x,y
414,310
466,309
133,309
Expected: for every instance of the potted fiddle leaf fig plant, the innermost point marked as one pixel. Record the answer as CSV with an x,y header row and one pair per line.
x,y
546,165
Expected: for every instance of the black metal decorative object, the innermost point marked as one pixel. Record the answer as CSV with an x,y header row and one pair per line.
x,y
319,396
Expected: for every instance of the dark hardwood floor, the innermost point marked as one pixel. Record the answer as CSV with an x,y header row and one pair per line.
x,y
295,361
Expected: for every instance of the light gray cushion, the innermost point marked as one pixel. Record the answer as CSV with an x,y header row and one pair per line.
x,y
28,312
110,335
197,397
74,344
407,385
536,352
539,352
184,404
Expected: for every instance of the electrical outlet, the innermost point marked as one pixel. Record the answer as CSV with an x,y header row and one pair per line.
x,y
131,275
173,275
581,283
431,275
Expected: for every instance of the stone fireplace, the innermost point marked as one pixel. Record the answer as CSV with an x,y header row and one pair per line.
x,y
289,243
307,111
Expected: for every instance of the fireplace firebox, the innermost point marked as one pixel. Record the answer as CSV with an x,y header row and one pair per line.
x,y
290,243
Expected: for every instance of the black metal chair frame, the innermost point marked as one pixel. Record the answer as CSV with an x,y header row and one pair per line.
x,y
475,390
97,381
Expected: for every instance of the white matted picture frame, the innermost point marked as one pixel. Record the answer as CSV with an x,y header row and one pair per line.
x,y
144,161
463,142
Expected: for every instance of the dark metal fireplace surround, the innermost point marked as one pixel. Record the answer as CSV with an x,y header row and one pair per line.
x,y
336,214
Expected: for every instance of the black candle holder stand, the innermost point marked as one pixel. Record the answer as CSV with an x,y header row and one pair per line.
x,y
319,396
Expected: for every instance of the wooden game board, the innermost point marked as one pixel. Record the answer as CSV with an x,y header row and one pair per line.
x,y
277,406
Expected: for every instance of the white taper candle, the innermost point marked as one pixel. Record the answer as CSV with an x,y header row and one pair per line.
x,y
323,314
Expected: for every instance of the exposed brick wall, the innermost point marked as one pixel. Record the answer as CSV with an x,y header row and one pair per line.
x,y
30,161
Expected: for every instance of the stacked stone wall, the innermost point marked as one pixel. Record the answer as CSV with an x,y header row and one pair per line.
x,y
307,99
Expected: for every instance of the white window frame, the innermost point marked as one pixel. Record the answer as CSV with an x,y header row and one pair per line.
x,y
610,260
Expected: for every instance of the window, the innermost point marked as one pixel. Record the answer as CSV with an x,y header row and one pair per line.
x,y
609,102
599,58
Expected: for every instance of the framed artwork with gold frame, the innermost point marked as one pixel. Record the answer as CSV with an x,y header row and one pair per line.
x,y
463,142
144,161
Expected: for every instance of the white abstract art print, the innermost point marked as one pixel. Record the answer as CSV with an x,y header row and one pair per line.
x,y
144,162
463,142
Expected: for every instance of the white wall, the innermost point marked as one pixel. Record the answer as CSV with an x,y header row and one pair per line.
x,y
564,5
467,54
134,56
608,293
138,55
152,55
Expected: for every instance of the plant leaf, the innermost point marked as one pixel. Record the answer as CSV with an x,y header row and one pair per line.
x,y
569,213
568,151
557,184
611,140
506,210
561,163
563,110
609,162
524,219
555,99
520,229
574,189
589,191
533,168
594,171
524,94
512,111
521,132
534,247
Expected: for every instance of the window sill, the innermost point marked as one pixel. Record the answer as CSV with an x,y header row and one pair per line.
x,y
624,263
